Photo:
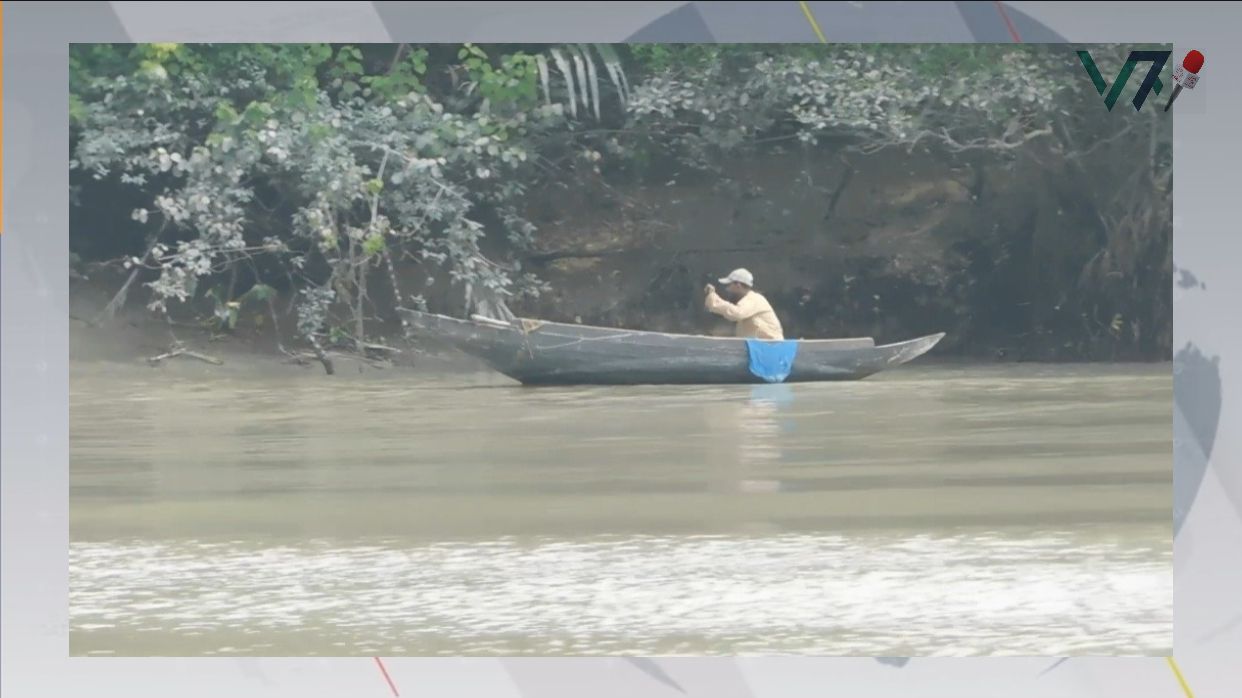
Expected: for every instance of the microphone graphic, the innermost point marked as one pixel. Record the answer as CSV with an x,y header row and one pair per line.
x,y
1186,75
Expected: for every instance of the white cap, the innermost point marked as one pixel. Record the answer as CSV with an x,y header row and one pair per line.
x,y
741,276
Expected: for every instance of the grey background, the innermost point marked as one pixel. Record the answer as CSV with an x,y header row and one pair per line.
x,y
34,342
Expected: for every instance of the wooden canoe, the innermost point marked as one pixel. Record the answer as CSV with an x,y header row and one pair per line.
x,y
535,352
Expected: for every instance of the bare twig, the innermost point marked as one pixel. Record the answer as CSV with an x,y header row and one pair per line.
x,y
396,58
168,355
951,144
118,301
840,190
177,349
546,257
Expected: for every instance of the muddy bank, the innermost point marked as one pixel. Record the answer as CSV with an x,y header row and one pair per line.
x,y
133,339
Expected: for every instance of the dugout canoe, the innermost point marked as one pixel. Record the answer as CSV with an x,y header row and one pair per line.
x,y
535,352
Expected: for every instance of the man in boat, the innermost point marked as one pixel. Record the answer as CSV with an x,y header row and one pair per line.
x,y
745,306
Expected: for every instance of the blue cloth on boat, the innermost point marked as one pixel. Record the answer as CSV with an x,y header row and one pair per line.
x,y
771,360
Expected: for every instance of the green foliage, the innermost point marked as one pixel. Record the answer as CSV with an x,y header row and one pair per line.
x,y
227,311
367,159
373,245
404,79
878,96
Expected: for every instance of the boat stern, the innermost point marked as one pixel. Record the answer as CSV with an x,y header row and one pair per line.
x,y
905,352
496,343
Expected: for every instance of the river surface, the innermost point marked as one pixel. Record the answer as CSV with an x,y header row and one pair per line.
x,y
927,511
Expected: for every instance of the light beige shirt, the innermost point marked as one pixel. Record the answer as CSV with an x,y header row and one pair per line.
x,y
753,314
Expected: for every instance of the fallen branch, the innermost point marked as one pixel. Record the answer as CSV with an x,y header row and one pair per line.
x,y
178,350
203,357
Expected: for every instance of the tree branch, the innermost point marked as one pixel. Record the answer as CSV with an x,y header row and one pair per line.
x,y
119,299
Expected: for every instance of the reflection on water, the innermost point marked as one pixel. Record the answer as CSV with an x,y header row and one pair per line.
x,y
934,511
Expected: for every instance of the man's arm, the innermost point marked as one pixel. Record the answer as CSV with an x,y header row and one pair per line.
x,y
729,311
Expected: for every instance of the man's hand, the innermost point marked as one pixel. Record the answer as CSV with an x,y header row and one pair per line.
x,y
710,290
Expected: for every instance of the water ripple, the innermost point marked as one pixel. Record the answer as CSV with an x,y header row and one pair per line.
x,y
957,595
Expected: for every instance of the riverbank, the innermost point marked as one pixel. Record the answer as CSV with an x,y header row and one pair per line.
x,y
1008,273
181,347
132,337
